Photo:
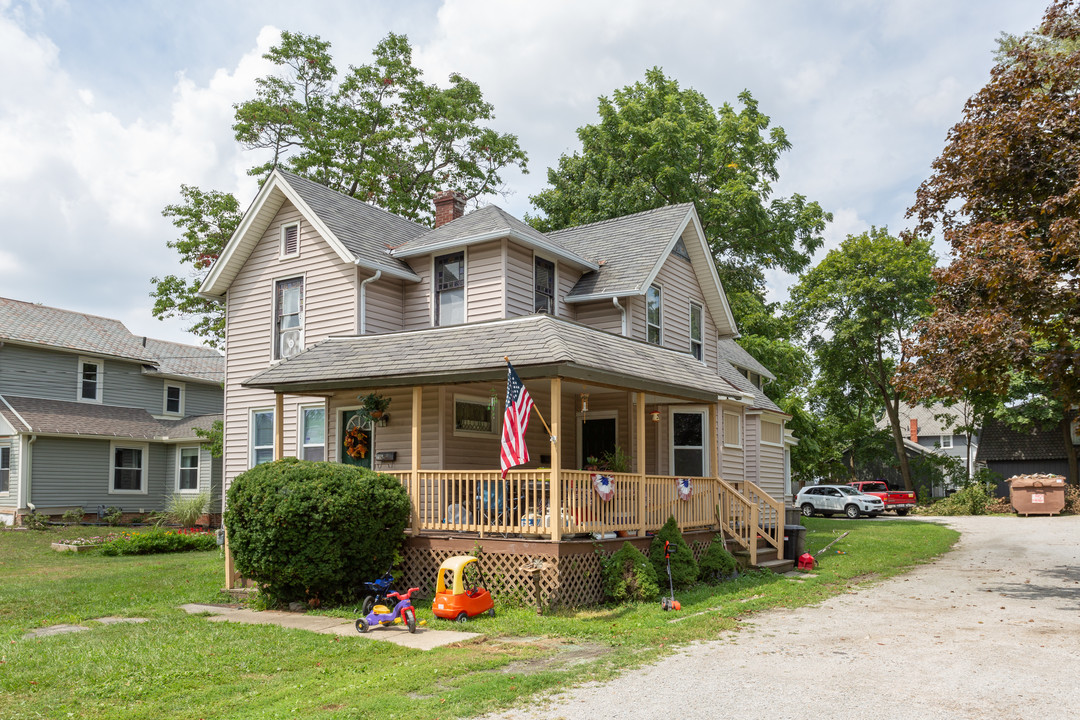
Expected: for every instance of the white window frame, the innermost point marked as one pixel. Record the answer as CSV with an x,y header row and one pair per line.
x,y
728,415
100,365
945,441
301,414
702,410
252,447
496,417
780,425
659,310
165,398
700,342
144,467
275,330
435,292
282,255
6,446
198,469
554,283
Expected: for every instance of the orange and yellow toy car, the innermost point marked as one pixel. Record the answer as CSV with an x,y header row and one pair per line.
x,y
454,600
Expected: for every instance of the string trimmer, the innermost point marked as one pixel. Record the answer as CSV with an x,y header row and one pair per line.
x,y
669,603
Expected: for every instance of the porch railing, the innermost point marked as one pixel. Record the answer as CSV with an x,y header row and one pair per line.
x,y
770,522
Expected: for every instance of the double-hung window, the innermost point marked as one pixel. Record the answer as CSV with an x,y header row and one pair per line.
x,y
946,442
89,389
174,398
128,468
313,433
262,436
187,471
653,315
696,333
450,289
543,286
5,468
288,317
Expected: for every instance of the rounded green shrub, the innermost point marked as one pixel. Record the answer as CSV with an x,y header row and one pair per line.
x,y
314,530
684,569
717,564
629,576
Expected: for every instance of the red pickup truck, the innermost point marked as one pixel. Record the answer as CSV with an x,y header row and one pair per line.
x,y
899,500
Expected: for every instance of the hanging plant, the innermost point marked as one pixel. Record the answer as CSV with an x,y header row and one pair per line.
x,y
373,405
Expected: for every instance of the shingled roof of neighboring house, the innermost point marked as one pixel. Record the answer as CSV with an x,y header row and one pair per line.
x,y
59,417
474,351
69,330
188,361
627,248
933,420
1000,442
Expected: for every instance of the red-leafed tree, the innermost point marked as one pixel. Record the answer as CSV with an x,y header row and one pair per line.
x,y
1005,192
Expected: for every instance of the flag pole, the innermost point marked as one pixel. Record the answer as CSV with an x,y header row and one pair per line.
x,y
538,413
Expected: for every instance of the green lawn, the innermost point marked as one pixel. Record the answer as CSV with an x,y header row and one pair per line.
x,y
180,666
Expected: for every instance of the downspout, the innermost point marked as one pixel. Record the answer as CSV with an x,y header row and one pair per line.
x,y
615,302
363,300
25,463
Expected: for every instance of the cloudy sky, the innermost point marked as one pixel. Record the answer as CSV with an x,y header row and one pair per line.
x,y
106,107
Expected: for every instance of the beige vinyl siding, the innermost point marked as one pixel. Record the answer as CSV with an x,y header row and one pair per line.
x,y
771,470
679,287
417,301
602,315
385,302
567,278
484,282
752,446
732,460
519,280
329,309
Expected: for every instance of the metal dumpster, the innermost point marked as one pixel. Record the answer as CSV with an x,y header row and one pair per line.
x,y
1037,494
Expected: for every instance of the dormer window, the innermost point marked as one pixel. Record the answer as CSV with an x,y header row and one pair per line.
x,y
290,240
653,315
450,289
89,388
544,286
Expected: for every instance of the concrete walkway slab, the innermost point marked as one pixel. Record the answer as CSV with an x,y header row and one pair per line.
x,y
61,629
423,639
112,620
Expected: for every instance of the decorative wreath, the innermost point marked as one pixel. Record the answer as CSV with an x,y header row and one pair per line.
x,y
356,443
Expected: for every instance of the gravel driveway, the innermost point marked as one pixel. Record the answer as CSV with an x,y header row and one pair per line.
x,y
991,630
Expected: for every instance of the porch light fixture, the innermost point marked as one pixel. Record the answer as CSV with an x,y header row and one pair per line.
x,y
655,414
584,402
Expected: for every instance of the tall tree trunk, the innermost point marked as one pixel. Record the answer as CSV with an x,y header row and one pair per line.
x,y
1070,449
893,410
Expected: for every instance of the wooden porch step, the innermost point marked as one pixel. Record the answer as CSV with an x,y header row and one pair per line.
x,y
766,559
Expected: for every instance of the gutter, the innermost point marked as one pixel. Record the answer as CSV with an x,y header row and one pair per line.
x,y
363,300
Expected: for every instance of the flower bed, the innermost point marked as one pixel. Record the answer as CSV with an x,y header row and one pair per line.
x,y
159,541
82,544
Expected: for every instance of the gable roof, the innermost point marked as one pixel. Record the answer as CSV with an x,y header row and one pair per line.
x,y
34,324
735,354
187,361
933,419
358,232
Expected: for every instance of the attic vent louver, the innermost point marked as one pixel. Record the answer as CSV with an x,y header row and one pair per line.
x,y
290,239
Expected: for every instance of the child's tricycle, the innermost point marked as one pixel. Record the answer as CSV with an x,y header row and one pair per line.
x,y
453,600
376,593
380,615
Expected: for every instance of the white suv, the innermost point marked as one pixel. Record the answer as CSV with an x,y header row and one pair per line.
x,y
830,499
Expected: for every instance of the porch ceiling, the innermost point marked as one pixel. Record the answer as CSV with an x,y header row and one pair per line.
x,y
538,345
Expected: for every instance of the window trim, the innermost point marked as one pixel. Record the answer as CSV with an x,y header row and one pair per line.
x,y
941,442
282,255
496,417
100,381
165,401
738,423
435,292
252,447
554,283
301,416
762,439
660,311
144,467
700,356
275,330
5,491
702,410
198,469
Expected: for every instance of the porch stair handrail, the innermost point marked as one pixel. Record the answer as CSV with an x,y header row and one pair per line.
x,y
770,516
738,518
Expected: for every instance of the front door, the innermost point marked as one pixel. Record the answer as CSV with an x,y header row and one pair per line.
x,y
688,443
597,438
357,440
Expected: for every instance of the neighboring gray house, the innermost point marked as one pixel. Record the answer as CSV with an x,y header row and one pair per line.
x,y
934,429
92,416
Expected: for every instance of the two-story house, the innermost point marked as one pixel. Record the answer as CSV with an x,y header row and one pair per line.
x,y
620,330
92,416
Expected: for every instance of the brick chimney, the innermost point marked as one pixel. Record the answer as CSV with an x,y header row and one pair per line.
x,y
914,430
449,205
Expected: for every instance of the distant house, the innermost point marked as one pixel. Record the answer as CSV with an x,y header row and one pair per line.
x,y
935,429
92,416
1009,452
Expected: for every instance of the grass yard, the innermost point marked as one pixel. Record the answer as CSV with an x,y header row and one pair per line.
x,y
181,666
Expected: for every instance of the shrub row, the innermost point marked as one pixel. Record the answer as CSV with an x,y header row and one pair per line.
x,y
159,541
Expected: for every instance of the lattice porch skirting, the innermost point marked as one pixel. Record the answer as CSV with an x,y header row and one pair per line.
x,y
570,575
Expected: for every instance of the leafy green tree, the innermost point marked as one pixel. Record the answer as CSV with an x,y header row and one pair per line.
x,y
857,307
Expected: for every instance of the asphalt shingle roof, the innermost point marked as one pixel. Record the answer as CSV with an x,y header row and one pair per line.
x,y
737,356
440,354
191,361
484,222
69,330
365,230
933,420
999,442
74,418
628,247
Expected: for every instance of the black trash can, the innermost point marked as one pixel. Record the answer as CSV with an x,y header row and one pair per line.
x,y
794,541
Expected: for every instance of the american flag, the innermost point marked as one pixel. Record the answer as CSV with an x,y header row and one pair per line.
x,y
515,421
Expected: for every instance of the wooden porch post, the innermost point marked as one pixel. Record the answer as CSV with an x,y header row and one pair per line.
x,y
279,426
556,459
714,446
640,451
231,576
414,477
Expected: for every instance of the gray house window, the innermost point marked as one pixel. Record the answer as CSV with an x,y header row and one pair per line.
x,y
544,286
89,380
128,465
188,473
174,399
5,468
450,289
